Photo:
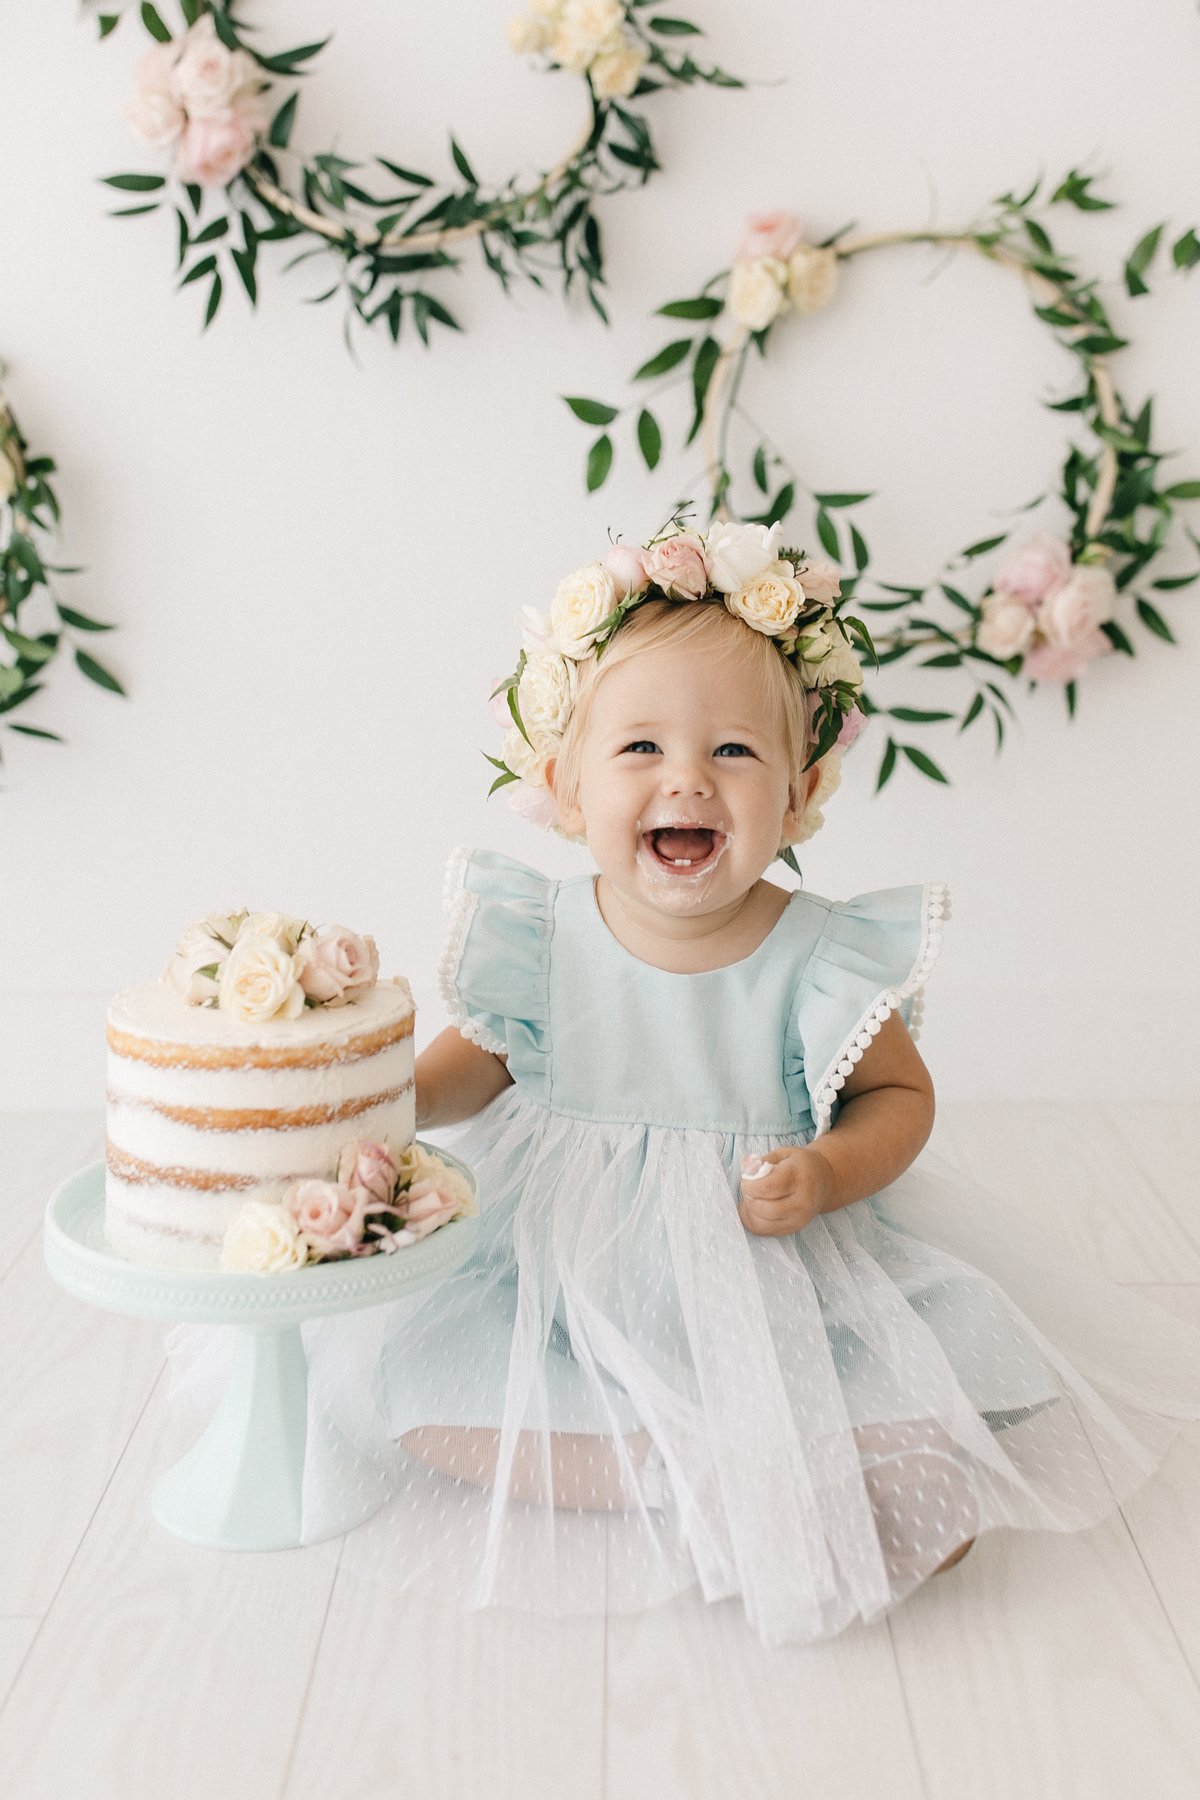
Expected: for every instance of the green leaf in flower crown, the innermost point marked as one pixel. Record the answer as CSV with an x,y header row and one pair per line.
x,y
788,856
592,412
97,672
649,438
675,27
599,462
668,358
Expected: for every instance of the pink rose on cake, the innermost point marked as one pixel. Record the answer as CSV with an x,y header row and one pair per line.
x,y
433,1200
328,1215
336,965
368,1167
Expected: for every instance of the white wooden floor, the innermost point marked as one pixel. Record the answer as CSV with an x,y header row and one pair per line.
x,y
131,1666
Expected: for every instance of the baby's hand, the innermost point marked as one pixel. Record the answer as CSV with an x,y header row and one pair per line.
x,y
784,1191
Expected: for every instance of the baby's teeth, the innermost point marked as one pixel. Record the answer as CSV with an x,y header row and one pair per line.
x,y
683,862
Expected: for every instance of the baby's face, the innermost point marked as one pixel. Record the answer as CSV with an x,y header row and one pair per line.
x,y
685,788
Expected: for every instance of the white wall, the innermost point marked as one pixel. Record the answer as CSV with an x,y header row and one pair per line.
x,y
315,565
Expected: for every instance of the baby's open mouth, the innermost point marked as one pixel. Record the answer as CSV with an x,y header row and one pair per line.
x,y
686,849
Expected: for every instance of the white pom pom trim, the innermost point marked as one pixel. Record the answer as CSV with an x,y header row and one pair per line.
x,y
935,907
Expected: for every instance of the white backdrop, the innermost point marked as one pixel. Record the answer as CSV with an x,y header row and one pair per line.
x,y
315,564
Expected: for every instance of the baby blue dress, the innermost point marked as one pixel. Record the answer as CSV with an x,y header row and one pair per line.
x,y
624,1392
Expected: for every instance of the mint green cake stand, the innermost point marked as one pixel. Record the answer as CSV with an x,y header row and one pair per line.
x,y
239,1487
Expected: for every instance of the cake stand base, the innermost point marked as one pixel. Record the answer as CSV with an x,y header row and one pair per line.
x,y
240,1487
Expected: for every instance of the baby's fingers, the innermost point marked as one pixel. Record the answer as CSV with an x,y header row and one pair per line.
x,y
766,1178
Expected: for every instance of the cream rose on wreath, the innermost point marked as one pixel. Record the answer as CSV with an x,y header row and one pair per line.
x,y
757,292
259,981
1007,626
207,77
582,603
615,72
812,277
771,602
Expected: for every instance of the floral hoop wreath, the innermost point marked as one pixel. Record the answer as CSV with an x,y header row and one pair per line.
x,y
1050,606
28,515
788,597
207,97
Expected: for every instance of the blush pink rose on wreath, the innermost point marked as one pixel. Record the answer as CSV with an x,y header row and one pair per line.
x,y
1071,611
1032,568
369,1168
217,147
774,234
207,77
328,1216
821,581
336,965
679,566
1063,663
1007,626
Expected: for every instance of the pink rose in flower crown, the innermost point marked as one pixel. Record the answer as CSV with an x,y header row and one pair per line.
x,y
1063,663
336,965
626,563
853,726
217,147
774,234
821,581
534,804
329,1216
1032,568
679,566
153,112
369,1168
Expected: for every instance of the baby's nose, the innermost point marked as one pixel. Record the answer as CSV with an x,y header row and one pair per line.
x,y
687,777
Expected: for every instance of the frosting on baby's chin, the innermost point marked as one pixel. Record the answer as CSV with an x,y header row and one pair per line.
x,y
677,889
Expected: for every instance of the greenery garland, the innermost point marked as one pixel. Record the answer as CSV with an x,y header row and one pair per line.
x,y
28,515
1121,518
209,96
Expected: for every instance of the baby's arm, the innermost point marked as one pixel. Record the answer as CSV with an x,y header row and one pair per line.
x,y
885,1118
455,1079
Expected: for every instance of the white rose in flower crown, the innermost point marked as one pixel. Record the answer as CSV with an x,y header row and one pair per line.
x,y
262,1239
1072,610
208,77
812,275
8,479
546,692
1007,626
259,982
615,73
155,118
770,602
826,657
581,605
528,761
757,292
739,553
527,34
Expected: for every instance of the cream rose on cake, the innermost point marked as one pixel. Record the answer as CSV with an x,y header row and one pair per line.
x,y
263,1240
259,981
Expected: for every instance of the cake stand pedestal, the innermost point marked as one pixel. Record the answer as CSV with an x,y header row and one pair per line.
x,y
240,1485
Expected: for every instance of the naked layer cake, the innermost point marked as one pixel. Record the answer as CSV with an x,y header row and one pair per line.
x,y
262,1052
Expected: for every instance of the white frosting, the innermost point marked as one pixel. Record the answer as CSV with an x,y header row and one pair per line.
x,y
154,1010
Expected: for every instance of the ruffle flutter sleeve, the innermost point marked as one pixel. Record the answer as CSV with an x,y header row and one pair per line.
x,y
872,959
495,970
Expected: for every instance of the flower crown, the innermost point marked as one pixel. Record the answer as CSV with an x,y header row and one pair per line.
x,y
788,597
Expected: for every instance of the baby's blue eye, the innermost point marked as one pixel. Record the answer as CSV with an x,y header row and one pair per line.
x,y
642,746
733,750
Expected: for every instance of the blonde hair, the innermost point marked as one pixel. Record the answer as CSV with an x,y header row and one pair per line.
x,y
683,624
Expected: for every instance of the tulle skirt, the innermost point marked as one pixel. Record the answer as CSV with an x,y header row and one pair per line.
x,y
623,1393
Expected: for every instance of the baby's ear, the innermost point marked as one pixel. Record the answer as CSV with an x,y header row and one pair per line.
x,y
570,818
800,792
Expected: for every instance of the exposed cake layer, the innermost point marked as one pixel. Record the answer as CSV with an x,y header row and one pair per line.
x,y
204,1113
